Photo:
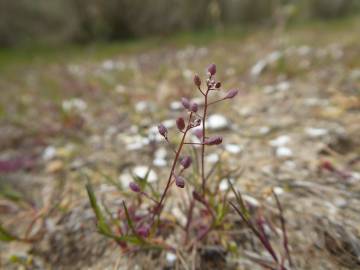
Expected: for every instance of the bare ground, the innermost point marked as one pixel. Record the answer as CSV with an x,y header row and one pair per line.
x,y
295,125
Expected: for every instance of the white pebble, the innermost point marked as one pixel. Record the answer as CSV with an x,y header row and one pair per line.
x,y
170,257
258,68
233,148
125,180
283,86
284,152
176,105
224,184
141,171
280,141
76,104
161,153
278,190
49,153
217,122
264,130
142,106
316,132
159,162
212,158
251,200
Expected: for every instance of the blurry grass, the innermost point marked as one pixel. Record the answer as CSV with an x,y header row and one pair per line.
x,y
311,31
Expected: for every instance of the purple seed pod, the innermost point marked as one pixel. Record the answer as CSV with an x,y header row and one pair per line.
x,y
212,69
180,181
194,107
232,93
180,123
197,80
163,130
134,187
143,231
218,85
185,102
186,162
215,140
198,133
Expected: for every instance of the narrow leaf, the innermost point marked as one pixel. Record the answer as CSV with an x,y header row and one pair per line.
x,y
6,236
102,225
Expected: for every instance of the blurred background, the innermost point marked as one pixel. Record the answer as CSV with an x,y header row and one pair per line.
x,y
84,83
25,22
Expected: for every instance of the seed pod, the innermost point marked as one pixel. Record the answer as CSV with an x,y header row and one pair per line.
x,y
180,181
185,102
197,80
214,140
232,93
143,231
194,107
186,162
180,123
134,187
212,69
163,130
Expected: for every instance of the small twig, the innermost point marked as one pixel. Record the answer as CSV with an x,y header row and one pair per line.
x,y
255,231
283,228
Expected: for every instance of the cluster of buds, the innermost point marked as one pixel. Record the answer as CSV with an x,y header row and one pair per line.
x,y
195,118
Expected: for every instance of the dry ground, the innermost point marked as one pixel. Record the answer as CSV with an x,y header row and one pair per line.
x,y
295,126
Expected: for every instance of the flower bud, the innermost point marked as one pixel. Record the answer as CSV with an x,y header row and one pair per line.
x,y
143,231
180,123
215,140
197,80
212,69
185,102
218,85
232,93
186,162
180,181
194,107
162,130
134,187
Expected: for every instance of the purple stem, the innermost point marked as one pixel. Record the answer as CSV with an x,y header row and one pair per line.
x,y
159,206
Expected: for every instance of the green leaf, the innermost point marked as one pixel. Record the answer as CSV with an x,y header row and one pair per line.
x,y
239,200
131,225
6,236
220,213
10,193
102,224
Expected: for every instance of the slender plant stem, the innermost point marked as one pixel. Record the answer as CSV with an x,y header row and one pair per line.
x,y
189,220
214,102
203,143
283,228
177,155
256,232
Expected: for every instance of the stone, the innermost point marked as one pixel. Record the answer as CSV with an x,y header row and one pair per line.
x,y
217,122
